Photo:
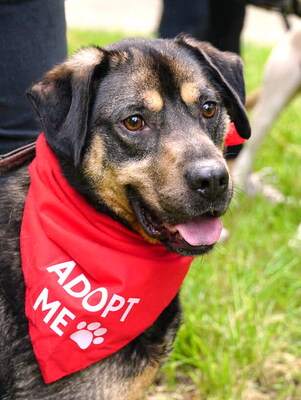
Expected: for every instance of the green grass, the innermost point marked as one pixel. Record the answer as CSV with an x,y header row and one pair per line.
x,y
241,336
81,38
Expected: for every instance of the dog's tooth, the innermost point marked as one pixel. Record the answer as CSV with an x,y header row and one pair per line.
x,y
171,228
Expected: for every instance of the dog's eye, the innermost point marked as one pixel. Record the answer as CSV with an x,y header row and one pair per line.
x,y
208,109
134,123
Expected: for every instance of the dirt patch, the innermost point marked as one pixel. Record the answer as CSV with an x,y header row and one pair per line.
x,y
181,392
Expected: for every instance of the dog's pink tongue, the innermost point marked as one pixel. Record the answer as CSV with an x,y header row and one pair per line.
x,y
201,231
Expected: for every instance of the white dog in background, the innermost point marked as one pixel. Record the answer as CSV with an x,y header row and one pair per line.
x,y
282,81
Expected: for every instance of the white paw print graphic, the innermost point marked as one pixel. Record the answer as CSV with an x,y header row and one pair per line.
x,y
92,334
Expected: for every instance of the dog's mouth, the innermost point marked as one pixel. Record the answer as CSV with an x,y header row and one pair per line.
x,y
193,237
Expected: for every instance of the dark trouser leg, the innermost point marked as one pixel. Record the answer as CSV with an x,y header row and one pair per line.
x,y
226,23
32,40
188,16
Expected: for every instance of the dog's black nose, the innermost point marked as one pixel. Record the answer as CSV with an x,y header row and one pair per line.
x,y
209,178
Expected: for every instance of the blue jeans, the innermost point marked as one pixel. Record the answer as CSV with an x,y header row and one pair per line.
x,y
32,40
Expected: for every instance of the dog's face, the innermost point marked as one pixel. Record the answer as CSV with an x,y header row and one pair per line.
x,y
141,124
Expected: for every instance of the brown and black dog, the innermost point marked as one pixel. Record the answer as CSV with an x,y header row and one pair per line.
x,y
138,128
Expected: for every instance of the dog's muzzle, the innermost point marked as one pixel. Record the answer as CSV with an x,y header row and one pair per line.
x,y
208,187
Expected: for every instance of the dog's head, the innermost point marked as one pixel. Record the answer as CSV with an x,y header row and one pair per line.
x,y
140,125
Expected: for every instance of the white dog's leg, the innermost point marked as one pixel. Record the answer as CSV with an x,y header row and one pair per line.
x,y
281,82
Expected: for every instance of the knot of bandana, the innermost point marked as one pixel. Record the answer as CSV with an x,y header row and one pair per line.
x,y
232,137
92,285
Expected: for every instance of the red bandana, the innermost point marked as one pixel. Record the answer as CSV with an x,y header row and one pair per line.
x,y
92,285
232,137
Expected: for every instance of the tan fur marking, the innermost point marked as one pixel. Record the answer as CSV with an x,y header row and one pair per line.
x,y
139,175
133,173
109,183
105,182
226,130
153,100
190,93
78,64
141,383
114,195
87,57
93,161
118,58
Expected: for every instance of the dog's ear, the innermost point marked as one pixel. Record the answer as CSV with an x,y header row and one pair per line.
x,y
62,100
225,70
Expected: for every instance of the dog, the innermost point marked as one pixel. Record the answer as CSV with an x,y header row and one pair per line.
x,y
136,129
282,81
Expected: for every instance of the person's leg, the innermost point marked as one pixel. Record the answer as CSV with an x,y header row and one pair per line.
x,y
32,40
226,23
190,16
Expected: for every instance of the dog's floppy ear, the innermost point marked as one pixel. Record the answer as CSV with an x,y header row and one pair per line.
x,y
225,70
62,100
